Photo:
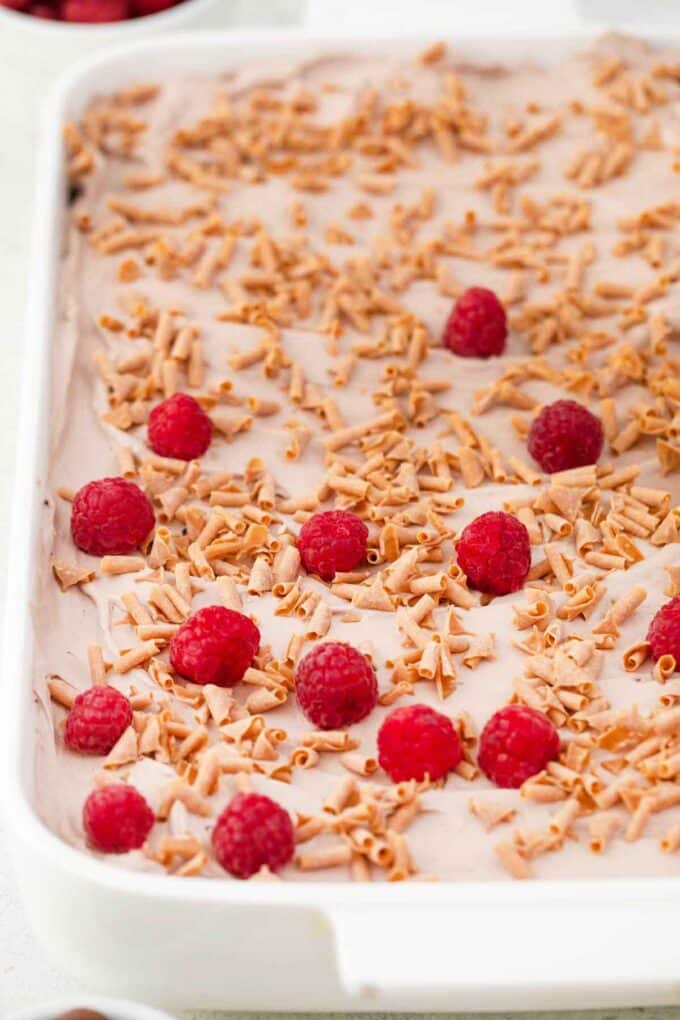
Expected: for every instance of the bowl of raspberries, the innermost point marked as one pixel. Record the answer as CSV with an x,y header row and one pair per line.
x,y
39,39
95,12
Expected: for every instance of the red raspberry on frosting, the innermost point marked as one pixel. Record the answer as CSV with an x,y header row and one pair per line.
x,y
494,552
251,833
565,435
94,11
477,326
98,717
179,427
110,517
117,819
215,646
44,11
516,743
335,686
664,631
332,541
15,5
416,741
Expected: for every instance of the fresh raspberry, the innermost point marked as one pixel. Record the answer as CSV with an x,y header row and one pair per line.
x,y
94,11
116,819
477,326
98,717
143,7
494,553
215,646
251,833
44,11
110,517
335,685
15,5
565,435
179,427
416,741
516,743
332,541
664,631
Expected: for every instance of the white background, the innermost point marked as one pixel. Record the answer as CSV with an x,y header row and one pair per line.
x,y
26,975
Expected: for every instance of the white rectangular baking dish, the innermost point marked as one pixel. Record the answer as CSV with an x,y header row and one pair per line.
x,y
199,943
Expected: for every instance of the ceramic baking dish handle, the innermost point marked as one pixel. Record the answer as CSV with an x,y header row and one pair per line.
x,y
482,957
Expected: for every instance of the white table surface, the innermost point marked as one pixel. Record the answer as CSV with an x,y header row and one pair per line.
x,y
26,974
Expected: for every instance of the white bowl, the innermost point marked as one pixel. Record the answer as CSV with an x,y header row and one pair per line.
x,y
34,51
112,1009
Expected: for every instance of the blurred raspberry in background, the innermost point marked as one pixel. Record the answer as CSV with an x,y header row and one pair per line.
x,y
89,11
